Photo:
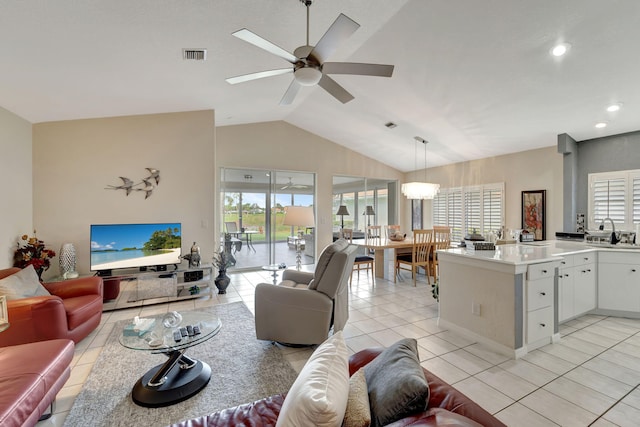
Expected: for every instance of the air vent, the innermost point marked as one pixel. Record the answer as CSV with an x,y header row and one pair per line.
x,y
390,125
194,54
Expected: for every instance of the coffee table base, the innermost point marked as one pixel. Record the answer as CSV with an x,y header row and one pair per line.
x,y
180,384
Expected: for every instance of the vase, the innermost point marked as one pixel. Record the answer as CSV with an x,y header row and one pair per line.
x,y
67,259
222,282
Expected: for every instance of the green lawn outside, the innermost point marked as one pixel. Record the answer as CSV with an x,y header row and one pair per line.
x,y
255,221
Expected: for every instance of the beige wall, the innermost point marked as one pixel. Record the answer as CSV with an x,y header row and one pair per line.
x,y
539,169
279,145
15,183
73,162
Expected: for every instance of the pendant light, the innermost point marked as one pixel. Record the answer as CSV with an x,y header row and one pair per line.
x,y
420,190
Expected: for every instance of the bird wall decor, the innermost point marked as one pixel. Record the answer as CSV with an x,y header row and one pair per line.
x,y
147,184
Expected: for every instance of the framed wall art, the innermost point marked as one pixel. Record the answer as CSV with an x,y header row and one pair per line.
x,y
416,214
534,214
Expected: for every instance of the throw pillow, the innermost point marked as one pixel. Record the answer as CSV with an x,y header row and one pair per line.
x,y
358,413
23,284
318,396
396,383
325,257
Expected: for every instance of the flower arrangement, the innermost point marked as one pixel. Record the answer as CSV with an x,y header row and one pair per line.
x,y
223,260
33,252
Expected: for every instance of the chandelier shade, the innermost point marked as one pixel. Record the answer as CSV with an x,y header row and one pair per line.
x,y
420,190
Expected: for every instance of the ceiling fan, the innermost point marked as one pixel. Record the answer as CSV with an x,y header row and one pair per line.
x,y
291,186
309,66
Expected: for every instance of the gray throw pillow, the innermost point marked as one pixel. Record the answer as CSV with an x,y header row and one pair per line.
x,y
396,383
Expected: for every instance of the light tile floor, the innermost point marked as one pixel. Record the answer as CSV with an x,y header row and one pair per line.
x,y
591,377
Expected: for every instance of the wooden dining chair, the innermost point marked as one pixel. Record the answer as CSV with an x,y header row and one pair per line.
x,y
419,256
441,240
361,262
374,232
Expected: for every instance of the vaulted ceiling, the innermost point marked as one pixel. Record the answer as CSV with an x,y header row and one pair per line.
x,y
474,78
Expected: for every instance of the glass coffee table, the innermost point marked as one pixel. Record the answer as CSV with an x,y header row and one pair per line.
x,y
180,377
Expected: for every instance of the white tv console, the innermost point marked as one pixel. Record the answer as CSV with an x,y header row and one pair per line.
x,y
134,288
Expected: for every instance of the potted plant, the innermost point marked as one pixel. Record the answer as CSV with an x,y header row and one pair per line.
x,y
221,261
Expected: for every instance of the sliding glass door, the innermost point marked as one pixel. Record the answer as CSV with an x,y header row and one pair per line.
x,y
254,203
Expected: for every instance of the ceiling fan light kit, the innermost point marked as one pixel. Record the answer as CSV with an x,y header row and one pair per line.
x,y
307,76
309,66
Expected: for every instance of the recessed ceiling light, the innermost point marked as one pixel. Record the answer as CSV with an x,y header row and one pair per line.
x,y
601,125
614,107
560,49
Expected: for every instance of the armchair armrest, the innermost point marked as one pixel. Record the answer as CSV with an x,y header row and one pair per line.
x,y
297,276
76,287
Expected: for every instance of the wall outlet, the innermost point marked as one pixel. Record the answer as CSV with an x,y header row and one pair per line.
x,y
475,308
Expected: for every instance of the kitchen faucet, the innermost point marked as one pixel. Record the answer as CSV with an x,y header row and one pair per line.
x,y
614,238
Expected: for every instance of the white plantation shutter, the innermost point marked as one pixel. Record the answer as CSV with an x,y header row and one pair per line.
x,y
454,212
635,211
439,206
492,201
615,195
465,208
472,211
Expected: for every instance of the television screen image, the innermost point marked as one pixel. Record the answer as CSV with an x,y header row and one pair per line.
x,y
116,246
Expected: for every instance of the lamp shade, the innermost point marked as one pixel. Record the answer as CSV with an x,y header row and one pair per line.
x,y
342,210
369,210
301,216
420,190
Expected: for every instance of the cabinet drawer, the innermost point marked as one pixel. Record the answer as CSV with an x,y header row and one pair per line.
x,y
540,271
584,258
567,261
539,294
539,324
617,257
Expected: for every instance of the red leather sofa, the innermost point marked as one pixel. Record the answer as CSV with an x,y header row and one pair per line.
x,y
31,375
447,406
72,311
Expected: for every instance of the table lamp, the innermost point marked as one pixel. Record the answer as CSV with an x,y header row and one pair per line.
x,y
342,211
299,216
369,212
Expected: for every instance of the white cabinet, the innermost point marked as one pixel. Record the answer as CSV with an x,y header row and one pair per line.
x,y
619,281
539,304
576,285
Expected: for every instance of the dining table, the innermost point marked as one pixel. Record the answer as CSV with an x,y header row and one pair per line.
x,y
379,247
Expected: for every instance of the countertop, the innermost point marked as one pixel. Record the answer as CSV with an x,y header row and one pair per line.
x,y
535,252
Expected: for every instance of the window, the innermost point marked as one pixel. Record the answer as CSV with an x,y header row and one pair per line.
x,y
464,209
615,195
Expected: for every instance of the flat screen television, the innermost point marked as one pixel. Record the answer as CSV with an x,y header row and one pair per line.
x,y
115,246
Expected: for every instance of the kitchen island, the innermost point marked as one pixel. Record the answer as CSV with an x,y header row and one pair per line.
x,y
513,298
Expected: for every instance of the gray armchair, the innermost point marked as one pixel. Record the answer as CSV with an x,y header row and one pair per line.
x,y
304,306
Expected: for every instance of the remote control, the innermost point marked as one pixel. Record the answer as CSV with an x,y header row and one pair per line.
x,y
190,330
177,337
196,330
183,331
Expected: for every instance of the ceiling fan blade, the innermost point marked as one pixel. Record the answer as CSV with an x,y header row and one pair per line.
x,y
337,91
265,44
378,70
259,75
339,31
290,94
